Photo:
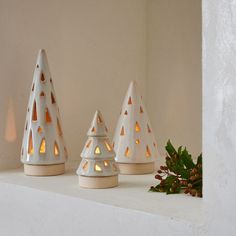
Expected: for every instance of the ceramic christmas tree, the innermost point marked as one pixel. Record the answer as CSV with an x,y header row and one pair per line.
x,y
43,150
98,168
134,142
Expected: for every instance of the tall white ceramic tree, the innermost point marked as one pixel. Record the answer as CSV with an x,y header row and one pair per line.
x,y
43,148
98,168
134,141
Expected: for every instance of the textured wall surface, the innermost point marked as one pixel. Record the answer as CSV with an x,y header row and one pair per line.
x,y
174,81
219,115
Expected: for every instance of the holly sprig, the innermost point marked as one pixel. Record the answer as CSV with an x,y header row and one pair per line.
x,y
180,174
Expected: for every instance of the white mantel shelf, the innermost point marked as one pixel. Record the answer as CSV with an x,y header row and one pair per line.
x,y
129,207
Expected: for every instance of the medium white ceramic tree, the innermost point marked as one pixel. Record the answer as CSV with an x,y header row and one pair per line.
x,y
134,141
43,148
98,168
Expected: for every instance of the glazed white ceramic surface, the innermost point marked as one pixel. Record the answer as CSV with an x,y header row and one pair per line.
x,y
105,159
130,114
49,130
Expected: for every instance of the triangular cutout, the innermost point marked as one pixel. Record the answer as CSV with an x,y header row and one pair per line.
x,y
127,152
40,130
93,130
88,144
97,151
137,141
97,168
130,101
42,77
47,116
126,113
122,132
42,148
85,166
56,149
34,112
108,146
30,144
148,153
33,87
53,98
42,94
137,127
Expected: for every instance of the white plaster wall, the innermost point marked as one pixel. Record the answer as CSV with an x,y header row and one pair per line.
x,y
219,115
94,49
174,72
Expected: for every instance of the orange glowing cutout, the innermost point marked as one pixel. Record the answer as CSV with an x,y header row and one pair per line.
x,y
105,163
42,77
42,148
99,120
40,130
56,149
127,152
93,130
47,116
137,141
42,94
108,146
148,153
34,112
30,144
137,127
126,113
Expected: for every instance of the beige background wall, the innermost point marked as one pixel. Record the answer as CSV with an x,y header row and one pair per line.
x,y
94,49
174,72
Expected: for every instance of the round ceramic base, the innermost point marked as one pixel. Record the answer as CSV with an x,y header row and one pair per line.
x,y
98,182
136,168
44,170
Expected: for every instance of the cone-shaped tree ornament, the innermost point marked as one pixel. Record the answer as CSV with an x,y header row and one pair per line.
x,y
43,149
98,168
134,142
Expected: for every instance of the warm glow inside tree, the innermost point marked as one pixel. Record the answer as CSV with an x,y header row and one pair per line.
x,y
98,168
43,148
134,141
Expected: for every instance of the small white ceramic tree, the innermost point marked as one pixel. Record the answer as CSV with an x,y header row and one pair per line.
x,y
98,168
134,141
43,149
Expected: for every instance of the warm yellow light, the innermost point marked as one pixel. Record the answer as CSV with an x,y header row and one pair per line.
x,y
30,145
137,127
148,153
127,152
108,146
98,168
97,150
137,141
42,146
56,149
105,163
85,166
88,144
